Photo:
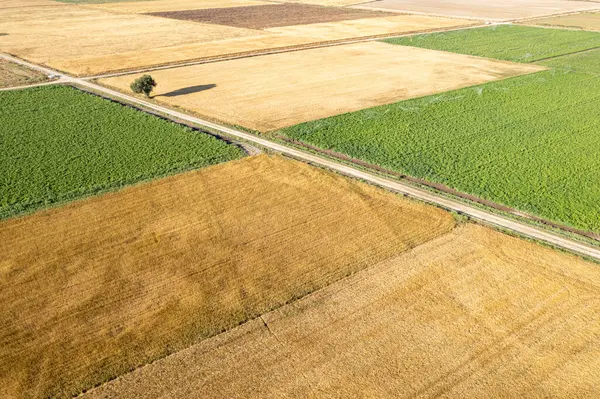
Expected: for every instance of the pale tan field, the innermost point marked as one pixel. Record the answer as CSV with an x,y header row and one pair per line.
x,y
139,7
586,21
472,314
485,10
100,286
274,91
66,34
27,3
90,41
333,3
12,75
365,27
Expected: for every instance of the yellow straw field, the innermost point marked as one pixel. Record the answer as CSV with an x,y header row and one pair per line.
x,y
472,314
101,286
274,91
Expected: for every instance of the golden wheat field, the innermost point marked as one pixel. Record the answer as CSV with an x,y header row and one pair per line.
x,y
274,91
472,314
101,286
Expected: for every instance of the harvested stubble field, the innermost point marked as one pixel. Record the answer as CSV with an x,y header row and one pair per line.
x,y
64,37
12,75
104,285
270,92
474,313
485,10
27,3
58,144
86,40
141,7
271,15
586,21
528,142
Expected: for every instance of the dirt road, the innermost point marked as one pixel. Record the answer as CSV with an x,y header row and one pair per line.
x,y
429,197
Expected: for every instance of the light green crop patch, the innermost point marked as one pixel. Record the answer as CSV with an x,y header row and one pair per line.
x,y
506,42
59,144
528,142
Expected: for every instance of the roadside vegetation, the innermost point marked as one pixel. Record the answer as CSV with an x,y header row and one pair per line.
x,y
529,142
12,75
60,144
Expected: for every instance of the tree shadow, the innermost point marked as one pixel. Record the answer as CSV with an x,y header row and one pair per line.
x,y
188,90
3,34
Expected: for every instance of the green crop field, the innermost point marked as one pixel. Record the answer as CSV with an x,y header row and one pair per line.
x,y
506,42
58,144
530,142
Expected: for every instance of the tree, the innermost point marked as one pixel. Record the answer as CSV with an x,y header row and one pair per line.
x,y
145,85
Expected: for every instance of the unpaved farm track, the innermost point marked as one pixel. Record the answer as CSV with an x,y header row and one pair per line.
x,y
393,185
271,16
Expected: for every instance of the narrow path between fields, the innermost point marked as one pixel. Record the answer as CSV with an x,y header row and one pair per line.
x,y
393,185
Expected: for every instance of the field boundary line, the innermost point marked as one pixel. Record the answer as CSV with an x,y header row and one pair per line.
x,y
393,185
280,50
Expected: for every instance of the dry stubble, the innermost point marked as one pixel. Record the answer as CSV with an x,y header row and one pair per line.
x,y
586,21
275,91
472,314
104,285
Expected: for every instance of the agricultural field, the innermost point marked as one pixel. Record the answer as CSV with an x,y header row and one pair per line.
x,y
505,10
99,287
272,15
12,75
59,144
527,44
279,90
150,6
473,313
528,142
585,21
92,39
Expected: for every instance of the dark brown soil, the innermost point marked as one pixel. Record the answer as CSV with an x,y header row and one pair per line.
x,y
271,15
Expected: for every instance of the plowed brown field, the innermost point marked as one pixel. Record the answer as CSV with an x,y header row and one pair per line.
x,y
274,91
586,21
101,286
472,314
272,15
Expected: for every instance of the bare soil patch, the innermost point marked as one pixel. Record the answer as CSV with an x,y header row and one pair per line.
x,y
472,314
271,16
12,75
274,91
99,287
